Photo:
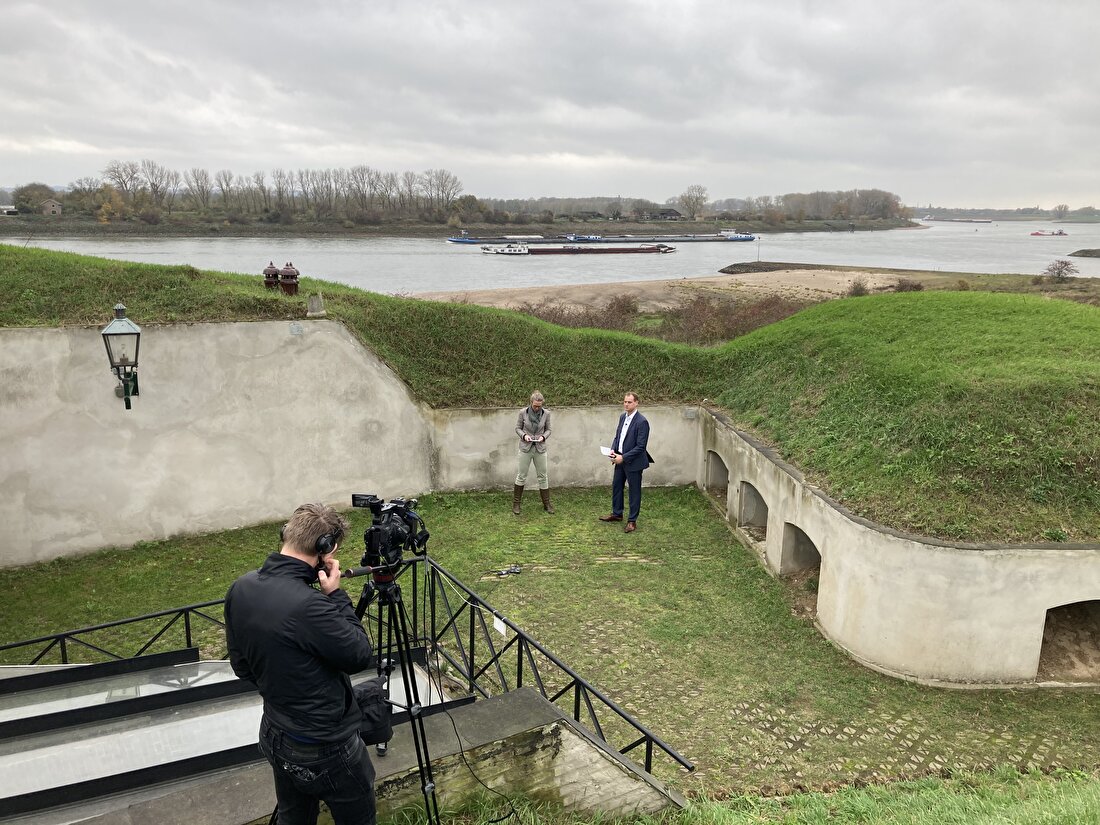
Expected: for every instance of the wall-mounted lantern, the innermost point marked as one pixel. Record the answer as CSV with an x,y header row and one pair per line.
x,y
122,337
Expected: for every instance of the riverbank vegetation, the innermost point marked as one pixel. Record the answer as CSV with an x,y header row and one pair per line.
x,y
961,415
718,659
147,198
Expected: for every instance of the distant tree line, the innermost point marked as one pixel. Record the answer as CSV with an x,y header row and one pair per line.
x,y
694,203
148,190
363,195
1059,212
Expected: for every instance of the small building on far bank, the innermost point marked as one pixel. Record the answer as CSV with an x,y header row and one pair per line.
x,y
8,209
50,207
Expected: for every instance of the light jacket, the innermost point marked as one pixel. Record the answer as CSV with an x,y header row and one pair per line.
x,y
523,427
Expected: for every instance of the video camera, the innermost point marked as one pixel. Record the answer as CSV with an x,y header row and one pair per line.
x,y
395,527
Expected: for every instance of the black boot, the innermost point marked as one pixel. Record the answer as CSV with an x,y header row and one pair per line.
x,y
517,494
546,505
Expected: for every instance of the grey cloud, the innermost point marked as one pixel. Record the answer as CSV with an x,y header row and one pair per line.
x,y
942,101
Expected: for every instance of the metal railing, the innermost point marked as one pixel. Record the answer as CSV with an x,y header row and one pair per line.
x,y
457,630
451,629
181,618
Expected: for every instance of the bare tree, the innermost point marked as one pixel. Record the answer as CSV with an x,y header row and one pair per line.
x,y
82,194
1061,210
303,187
361,183
224,181
260,186
125,176
693,200
389,188
409,192
282,182
198,187
155,177
246,195
341,183
441,188
171,188
1060,271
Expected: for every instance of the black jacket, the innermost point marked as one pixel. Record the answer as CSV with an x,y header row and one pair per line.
x,y
298,646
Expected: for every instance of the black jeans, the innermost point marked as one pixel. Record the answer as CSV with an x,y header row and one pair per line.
x,y
340,774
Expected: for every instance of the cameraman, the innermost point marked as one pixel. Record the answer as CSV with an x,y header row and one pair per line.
x,y
298,644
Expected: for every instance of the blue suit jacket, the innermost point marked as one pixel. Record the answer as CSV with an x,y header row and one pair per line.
x,y
635,456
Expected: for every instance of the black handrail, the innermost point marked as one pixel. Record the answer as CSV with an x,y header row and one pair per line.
x,y
465,662
62,641
426,624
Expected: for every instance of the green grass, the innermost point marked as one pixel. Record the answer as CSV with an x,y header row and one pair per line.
x,y
680,625
1004,798
677,623
961,415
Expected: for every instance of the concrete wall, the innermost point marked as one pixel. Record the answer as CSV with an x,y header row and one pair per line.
x,y
238,423
235,424
906,605
477,449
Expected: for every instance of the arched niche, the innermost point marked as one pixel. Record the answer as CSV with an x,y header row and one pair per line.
x,y
717,479
752,512
799,551
1071,644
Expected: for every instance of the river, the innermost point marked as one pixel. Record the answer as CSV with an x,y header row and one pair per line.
x,y
406,266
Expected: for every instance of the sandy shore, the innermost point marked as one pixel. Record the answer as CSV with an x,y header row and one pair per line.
x,y
798,284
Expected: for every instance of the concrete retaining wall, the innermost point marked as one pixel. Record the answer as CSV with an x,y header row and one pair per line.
x,y
906,605
239,423
235,424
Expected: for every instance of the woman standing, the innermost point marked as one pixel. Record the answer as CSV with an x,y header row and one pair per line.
x,y
533,429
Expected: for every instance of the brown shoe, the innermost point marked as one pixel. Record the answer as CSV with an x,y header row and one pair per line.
x,y
630,527
611,517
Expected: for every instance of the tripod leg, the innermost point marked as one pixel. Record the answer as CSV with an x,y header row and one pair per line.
x,y
416,718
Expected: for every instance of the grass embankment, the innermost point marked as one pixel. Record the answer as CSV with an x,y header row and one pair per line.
x,y
683,627
1006,798
960,415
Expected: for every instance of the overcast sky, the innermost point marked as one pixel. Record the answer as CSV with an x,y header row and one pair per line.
x,y
978,103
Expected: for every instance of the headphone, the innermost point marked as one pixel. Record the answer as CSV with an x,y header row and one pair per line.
x,y
323,546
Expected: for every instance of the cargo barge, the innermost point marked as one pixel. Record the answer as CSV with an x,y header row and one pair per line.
x,y
573,249
724,236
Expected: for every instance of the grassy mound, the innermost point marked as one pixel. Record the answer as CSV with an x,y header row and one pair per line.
x,y
960,415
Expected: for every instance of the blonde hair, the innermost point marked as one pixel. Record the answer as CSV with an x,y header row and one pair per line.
x,y
310,524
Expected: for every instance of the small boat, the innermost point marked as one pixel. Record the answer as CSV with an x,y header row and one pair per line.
x,y
1057,233
470,239
506,249
572,249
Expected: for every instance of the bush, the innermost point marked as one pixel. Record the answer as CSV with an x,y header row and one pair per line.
x,y
366,217
1060,271
857,288
150,216
963,285
908,285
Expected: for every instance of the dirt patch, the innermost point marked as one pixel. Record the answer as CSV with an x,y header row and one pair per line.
x,y
1071,644
656,296
801,590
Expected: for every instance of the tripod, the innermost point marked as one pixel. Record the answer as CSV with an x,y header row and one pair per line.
x,y
387,591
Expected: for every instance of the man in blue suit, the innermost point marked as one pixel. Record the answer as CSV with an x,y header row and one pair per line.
x,y
630,458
